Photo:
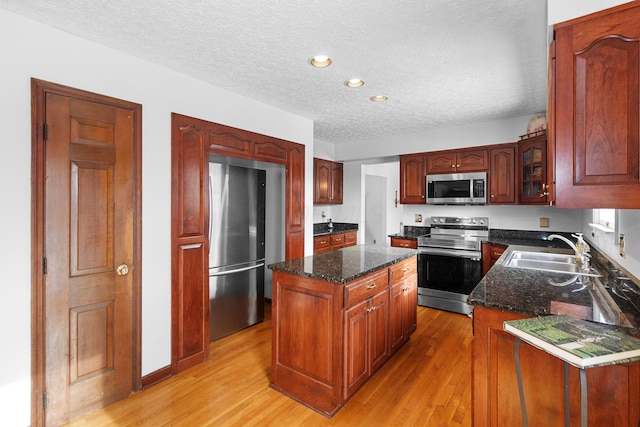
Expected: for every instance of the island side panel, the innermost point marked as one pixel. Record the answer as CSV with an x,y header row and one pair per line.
x,y
307,340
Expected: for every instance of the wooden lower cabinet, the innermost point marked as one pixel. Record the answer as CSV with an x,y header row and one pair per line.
x,y
366,340
400,242
613,391
328,339
403,303
331,242
490,254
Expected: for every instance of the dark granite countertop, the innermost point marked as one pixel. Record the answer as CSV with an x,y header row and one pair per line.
x,y
527,238
322,229
344,265
411,232
530,292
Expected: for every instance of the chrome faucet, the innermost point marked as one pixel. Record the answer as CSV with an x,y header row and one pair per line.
x,y
582,253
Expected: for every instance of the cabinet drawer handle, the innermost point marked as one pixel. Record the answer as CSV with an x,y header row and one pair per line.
x,y
371,286
404,270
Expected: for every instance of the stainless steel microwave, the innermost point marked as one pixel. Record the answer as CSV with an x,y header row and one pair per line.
x,y
457,189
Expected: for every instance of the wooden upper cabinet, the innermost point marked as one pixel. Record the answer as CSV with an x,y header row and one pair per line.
x,y
532,170
452,161
502,178
596,110
327,181
413,171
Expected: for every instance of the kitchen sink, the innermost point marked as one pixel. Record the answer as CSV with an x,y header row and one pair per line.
x,y
543,256
547,261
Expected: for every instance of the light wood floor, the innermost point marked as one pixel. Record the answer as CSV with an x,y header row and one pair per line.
x,y
427,383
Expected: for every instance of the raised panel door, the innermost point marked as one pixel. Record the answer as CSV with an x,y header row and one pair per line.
x,y
502,179
378,331
597,110
396,316
336,183
356,369
321,181
413,179
441,162
89,233
472,161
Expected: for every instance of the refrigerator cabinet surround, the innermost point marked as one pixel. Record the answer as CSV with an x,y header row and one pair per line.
x,y
236,248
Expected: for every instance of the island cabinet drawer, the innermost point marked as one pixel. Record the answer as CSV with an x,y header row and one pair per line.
x,y
366,287
403,269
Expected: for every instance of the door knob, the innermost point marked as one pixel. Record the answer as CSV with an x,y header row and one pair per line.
x,y
123,270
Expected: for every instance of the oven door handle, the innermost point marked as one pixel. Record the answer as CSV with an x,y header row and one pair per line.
x,y
458,253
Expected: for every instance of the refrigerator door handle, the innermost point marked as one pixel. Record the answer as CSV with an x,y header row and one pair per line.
x,y
237,270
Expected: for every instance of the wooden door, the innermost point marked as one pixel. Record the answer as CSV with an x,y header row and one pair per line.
x,y
532,171
597,110
89,233
337,178
322,181
472,161
413,179
396,316
355,347
441,162
378,331
502,179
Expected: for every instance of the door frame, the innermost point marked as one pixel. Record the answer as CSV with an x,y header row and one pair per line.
x,y
39,90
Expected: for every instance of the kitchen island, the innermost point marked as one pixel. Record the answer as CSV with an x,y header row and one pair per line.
x,y
336,318
507,293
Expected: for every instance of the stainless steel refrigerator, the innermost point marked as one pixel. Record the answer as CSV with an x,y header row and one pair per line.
x,y
237,248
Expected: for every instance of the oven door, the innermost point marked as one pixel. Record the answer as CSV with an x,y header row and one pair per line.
x,y
446,277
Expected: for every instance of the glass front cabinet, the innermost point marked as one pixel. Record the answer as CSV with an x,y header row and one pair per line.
x,y
532,169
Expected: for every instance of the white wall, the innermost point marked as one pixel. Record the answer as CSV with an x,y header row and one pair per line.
x,y
391,171
563,10
503,217
629,225
30,49
485,133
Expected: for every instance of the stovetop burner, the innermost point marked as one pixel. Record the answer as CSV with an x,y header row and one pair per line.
x,y
466,233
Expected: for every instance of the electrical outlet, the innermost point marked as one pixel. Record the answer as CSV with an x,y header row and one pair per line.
x,y
418,218
544,222
623,252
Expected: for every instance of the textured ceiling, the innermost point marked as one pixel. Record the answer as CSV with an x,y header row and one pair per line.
x,y
440,62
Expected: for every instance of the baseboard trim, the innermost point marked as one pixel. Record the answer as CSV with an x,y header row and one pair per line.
x,y
156,376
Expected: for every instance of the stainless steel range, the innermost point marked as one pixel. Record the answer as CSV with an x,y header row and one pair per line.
x,y
450,262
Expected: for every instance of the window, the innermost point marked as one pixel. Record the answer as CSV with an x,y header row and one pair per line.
x,y
604,220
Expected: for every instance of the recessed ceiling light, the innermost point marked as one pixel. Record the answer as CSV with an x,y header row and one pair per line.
x,y
379,98
354,82
320,61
